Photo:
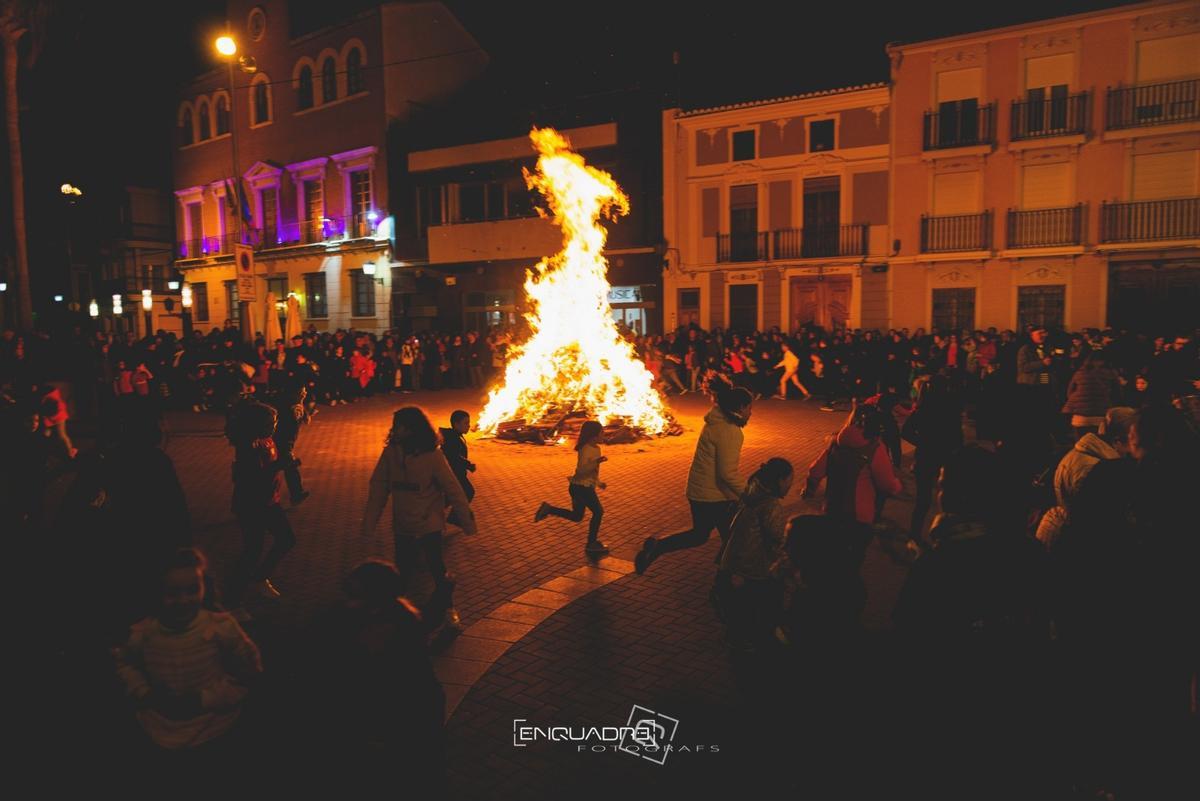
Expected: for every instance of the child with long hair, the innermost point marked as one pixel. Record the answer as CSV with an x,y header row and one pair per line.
x,y
582,487
413,472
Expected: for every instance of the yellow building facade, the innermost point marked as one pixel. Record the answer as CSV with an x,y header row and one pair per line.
x,y
1048,174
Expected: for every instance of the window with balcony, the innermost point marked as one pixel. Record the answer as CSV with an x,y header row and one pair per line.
x,y
268,214
821,136
314,209
472,202
360,199
744,146
316,304
1167,89
429,208
362,294
1165,204
200,302
520,199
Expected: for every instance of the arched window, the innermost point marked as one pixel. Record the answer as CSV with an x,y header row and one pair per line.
x,y
221,104
354,72
328,80
186,132
260,100
205,121
304,88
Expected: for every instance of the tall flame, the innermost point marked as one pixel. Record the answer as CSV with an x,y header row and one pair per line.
x,y
574,357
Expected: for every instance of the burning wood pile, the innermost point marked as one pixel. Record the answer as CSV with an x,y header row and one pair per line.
x,y
575,365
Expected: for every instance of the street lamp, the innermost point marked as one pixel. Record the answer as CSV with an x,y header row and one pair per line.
x,y
185,300
93,309
227,48
147,307
117,310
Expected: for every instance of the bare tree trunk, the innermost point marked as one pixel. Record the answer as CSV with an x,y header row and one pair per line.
x,y
12,35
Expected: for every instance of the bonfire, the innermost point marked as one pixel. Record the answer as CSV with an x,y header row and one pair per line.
x,y
575,364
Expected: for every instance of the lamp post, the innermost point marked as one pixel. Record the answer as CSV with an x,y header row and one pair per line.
x,y
148,308
185,301
227,48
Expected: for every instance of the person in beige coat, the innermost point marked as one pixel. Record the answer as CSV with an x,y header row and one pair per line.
x,y
414,473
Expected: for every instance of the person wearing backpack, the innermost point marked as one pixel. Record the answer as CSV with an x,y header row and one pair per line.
x,y
856,468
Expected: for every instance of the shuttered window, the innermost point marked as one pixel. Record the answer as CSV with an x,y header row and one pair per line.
x,y
1171,58
1164,175
956,193
1046,186
1049,71
959,84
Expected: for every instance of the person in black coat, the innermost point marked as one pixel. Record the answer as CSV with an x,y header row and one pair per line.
x,y
454,447
290,406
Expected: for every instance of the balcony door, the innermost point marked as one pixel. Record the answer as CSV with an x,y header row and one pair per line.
x,y
822,216
743,222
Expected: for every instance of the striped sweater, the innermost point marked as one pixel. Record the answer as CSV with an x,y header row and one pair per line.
x,y
210,658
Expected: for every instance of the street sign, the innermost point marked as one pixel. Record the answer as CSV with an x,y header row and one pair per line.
x,y
244,259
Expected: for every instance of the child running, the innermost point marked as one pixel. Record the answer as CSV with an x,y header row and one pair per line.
x,y
582,487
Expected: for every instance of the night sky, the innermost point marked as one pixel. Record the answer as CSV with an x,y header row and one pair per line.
x,y
99,104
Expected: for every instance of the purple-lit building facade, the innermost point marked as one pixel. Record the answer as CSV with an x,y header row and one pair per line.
x,y
315,124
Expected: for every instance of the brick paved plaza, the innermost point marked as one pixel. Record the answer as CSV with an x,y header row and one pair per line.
x,y
550,640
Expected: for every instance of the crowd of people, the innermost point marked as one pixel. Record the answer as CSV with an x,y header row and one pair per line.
x,y
1056,574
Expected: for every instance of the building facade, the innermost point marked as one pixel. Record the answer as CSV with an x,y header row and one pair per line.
x,y
478,229
775,212
1048,174
316,123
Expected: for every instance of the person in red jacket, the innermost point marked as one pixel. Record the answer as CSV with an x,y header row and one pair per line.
x,y
856,468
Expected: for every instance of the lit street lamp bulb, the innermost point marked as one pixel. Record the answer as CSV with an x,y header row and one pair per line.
x,y
186,296
147,300
226,46
58,298
94,309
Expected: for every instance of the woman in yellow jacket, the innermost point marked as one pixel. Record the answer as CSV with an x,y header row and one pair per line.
x,y
417,477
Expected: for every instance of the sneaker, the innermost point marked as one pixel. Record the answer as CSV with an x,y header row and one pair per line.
x,y
645,556
828,408
542,512
299,499
452,622
596,549
267,590
779,397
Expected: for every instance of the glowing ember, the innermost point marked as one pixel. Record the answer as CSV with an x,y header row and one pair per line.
x,y
574,359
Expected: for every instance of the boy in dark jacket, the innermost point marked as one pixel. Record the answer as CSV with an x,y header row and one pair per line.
x,y
256,468
454,447
290,408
